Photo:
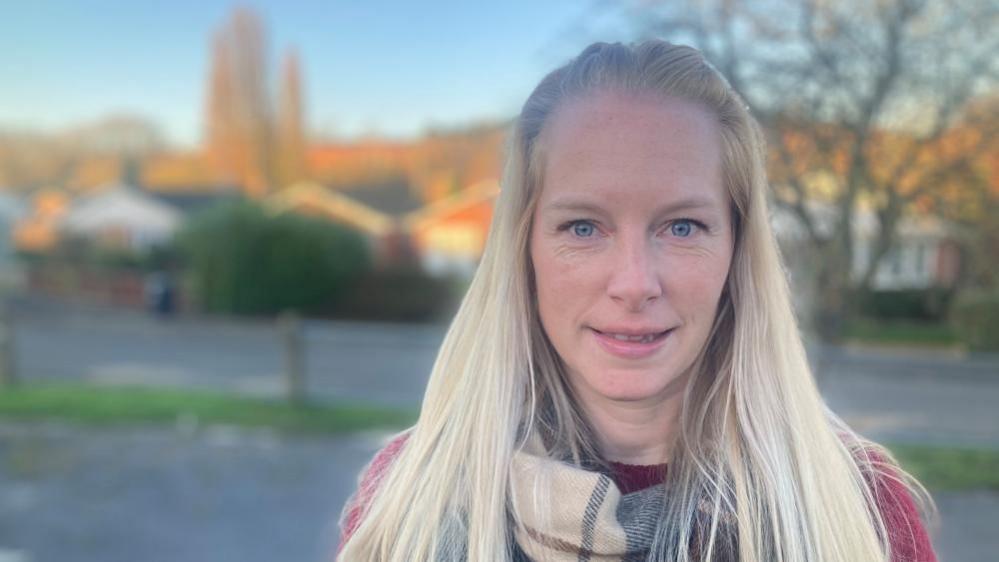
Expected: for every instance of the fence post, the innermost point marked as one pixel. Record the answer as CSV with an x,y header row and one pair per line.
x,y
294,357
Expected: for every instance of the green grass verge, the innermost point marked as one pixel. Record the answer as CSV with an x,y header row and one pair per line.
x,y
900,332
89,404
947,468
938,468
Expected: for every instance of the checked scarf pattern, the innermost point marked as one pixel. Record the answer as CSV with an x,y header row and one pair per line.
x,y
571,514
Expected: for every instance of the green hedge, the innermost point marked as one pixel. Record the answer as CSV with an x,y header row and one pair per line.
x,y
975,319
928,305
246,261
399,294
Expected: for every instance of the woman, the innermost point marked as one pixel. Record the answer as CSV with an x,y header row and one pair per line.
x,y
624,379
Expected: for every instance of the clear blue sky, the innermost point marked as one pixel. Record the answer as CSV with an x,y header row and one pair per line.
x,y
390,67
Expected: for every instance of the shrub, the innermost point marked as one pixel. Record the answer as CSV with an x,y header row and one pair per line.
x,y
246,261
975,318
909,304
399,294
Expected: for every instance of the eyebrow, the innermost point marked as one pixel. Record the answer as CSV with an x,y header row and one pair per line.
x,y
686,204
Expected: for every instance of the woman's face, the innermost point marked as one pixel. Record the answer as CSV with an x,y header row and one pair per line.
x,y
631,242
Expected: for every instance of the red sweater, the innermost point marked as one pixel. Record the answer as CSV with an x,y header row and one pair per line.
x,y
908,537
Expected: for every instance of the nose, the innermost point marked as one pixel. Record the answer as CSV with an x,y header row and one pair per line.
x,y
635,281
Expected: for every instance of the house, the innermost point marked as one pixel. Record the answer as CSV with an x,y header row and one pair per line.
x,y
195,199
312,199
122,217
925,253
36,230
445,237
451,233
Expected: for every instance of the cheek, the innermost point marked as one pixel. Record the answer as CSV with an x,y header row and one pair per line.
x,y
698,287
563,286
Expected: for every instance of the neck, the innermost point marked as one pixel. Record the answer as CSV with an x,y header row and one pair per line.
x,y
641,432
634,435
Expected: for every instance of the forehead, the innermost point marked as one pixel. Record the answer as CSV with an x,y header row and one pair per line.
x,y
611,145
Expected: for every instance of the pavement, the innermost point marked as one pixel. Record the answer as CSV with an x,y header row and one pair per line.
x,y
168,495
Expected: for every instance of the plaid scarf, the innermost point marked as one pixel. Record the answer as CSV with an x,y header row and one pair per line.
x,y
571,514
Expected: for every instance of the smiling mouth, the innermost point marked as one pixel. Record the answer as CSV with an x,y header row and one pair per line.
x,y
641,338
632,346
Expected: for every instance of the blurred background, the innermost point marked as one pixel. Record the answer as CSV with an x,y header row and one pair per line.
x,y
232,237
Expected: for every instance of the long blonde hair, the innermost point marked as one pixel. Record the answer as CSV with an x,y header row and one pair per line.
x,y
756,446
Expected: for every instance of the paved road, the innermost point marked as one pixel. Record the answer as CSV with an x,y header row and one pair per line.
x,y
901,397
158,495
908,397
230,494
351,361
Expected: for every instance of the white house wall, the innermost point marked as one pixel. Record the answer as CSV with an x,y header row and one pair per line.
x,y
912,264
125,213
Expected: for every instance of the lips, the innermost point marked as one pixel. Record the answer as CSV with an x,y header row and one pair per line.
x,y
631,344
632,334
646,338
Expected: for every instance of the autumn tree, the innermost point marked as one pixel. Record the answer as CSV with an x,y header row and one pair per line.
x,y
861,102
239,122
291,139
971,198
86,156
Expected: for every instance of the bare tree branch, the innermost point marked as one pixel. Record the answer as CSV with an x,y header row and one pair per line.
x,y
865,93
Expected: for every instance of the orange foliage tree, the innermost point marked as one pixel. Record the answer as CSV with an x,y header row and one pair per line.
x,y
290,129
241,140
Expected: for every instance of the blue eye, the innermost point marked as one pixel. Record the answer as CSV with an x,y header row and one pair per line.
x,y
682,228
583,229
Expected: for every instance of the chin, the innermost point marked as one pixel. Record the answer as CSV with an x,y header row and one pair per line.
x,y
632,386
